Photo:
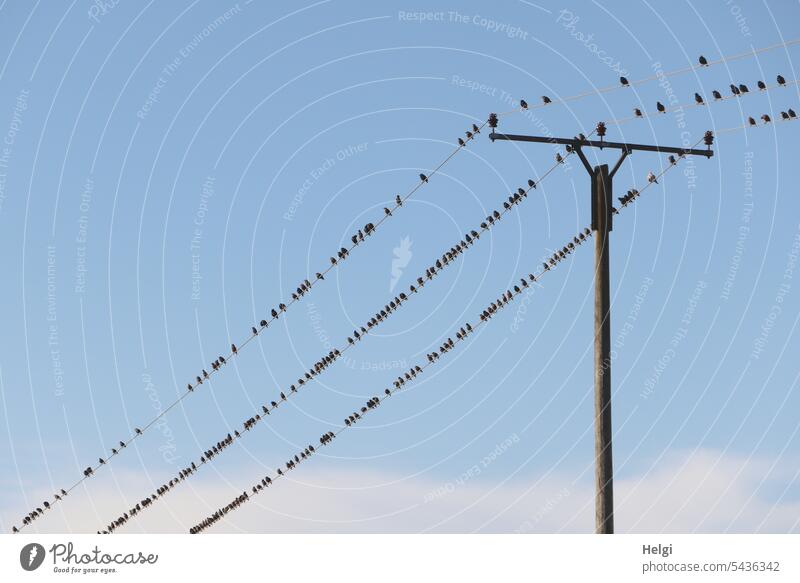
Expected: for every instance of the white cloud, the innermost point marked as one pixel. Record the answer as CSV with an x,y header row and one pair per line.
x,y
700,492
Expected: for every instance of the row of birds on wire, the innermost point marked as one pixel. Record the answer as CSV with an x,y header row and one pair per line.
x,y
735,91
302,290
448,345
702,63
450,255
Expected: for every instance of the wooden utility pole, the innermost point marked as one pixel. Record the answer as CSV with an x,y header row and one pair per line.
x,y
602,219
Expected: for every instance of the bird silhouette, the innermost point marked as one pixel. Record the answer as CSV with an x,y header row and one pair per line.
x,y
743,88
660,107
637,112
623,81
784,115
781,80
233,349
735,90
698,99
792,114
461,142
559,158
546,99
423,178
651,177
766,118
751,121
703,61
672,160
523,104
717,95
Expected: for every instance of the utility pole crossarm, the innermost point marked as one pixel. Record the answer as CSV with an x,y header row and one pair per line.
x,y
575,143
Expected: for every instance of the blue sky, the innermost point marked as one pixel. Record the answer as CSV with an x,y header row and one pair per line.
x,y
172,171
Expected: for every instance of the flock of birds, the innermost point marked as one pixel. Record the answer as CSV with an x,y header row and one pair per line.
x,y
342,254
399,383
358,334
302,289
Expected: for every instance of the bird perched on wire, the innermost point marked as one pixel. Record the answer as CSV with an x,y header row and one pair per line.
x,y
423,178
637,112
698,99
623,81
781,80
398,201
703,61
672,160
559,158
791,113
546,99
784,115
751,121
717,95
762,86
766,118
735,90
461,142
651,177
660,107
743,88
523,104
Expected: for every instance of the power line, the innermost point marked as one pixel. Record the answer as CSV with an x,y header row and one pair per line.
x,y
639,114
469,239
547,101
304,288
461,335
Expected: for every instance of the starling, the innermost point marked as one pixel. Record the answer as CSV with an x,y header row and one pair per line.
x,y
766,118
751,121
703,61
660,107
637,112
762,86
698,99
717,95
524,104
781,80
423,178
546,99
651,177
623,81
